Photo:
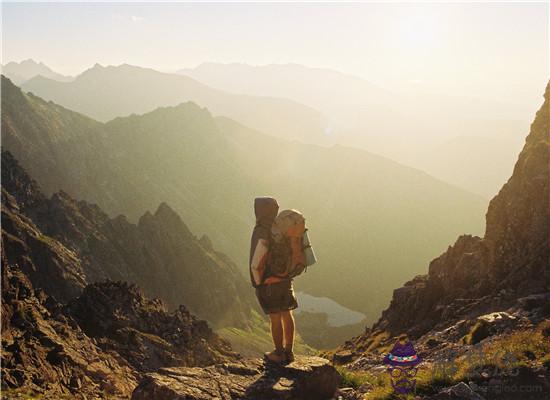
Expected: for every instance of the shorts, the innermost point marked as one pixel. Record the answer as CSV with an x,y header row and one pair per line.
x,y
277,297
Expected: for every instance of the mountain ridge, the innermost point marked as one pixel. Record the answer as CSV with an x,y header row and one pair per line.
x,y
65,337
159,252
413,128
128,89
19,72
209,169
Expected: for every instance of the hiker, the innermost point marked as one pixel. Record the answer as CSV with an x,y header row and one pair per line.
x,y
276,256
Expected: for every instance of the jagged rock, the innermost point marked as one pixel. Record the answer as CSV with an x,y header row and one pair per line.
x,y
506,269
100,344
143,331
460,391
160,253
47,263
46,353
307,378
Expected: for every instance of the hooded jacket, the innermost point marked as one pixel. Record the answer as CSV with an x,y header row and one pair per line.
x,y
266,209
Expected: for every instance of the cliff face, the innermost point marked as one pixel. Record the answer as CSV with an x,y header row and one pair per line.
x,y
50,265
512,260
488,296
159,253
518,220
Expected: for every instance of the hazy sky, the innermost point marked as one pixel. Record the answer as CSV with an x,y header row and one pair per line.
x,y
485,49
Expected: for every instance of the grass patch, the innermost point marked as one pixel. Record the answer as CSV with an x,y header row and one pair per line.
x,y
256,340
496,358
375,343
27,394
380,385
355,379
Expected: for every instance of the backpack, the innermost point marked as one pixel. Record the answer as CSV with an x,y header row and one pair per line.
x,y
288,224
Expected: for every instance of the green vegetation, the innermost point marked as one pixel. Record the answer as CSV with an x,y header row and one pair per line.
x,y
257,339
373,222
503,354
355,379
374,344
27,394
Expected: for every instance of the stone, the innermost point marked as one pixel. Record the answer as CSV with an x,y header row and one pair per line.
x,y
460,391
342,357
308,378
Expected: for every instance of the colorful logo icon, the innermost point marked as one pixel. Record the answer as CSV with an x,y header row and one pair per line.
x,y
402,364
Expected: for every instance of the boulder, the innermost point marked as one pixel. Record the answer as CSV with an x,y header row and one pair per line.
x,y
342,357
306,378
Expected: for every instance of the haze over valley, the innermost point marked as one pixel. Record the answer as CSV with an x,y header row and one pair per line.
x,y
414,139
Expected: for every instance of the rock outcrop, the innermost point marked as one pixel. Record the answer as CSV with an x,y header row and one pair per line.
x,y
484,297
48,263
307,378
141,330
97,346
45,353
64,338
159,253
479,275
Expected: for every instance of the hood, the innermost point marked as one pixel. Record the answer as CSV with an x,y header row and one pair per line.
x,y
266,209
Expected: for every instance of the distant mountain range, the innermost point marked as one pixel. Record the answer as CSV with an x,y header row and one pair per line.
x,y
72,327
104,93
314,105
20,72
372,220
414,129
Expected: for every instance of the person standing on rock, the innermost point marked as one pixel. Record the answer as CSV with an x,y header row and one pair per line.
x,y
276,256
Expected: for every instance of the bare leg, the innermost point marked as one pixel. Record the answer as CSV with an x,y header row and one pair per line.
x,y
276,330
288,328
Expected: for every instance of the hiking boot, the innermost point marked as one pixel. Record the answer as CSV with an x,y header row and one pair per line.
x,y
289,355
276,356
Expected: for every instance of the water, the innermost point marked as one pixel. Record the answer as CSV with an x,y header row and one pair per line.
x,y
338,315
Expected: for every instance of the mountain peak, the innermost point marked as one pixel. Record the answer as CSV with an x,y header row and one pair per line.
x,y
28,69
165,210
29,62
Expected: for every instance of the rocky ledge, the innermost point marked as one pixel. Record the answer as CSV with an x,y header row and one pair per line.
x,y
306,378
